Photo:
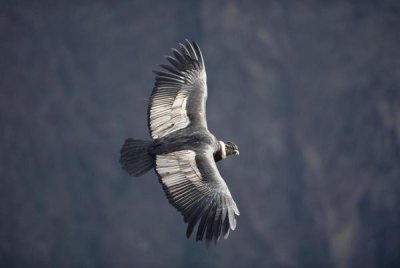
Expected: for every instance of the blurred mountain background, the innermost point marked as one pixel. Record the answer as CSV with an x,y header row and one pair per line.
x,y
309,90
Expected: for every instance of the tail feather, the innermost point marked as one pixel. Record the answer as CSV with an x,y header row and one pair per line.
x,y
135,158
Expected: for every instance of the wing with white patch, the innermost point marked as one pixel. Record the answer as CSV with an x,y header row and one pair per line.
x,y
179,95
195,187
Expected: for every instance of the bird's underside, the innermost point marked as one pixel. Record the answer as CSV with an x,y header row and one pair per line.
x,y
183,151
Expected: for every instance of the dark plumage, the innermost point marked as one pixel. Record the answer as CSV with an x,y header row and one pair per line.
x,y
183,151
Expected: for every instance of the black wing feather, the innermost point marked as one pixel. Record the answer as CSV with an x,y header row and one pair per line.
x,y
203,222
170,69
191,50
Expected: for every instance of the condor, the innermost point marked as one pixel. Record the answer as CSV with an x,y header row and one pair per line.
x,y
183,151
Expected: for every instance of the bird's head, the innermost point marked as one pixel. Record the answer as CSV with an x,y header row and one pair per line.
x,y
231,148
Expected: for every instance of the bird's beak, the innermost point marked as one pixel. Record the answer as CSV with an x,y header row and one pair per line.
x,y
236,152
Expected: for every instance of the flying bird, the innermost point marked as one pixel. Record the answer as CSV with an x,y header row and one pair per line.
x,y
183,152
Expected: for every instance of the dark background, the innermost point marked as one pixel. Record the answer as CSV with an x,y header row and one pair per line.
x,y
309,90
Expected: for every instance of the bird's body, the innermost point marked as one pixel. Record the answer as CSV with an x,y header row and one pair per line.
x,y
183,151
186,139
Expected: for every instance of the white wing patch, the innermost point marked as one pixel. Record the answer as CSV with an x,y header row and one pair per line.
x,y
178,167
168,114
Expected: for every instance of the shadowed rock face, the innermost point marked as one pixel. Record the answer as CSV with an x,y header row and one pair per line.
x,y
309,93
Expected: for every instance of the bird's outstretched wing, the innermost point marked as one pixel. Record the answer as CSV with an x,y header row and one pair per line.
x,y
195,187
179,95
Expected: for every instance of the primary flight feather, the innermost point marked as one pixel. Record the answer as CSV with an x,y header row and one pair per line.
x,y
183,151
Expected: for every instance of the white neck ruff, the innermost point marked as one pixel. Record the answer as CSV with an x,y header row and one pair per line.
x,y
223,151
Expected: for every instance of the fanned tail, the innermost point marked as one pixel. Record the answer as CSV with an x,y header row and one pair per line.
x,y
135,158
